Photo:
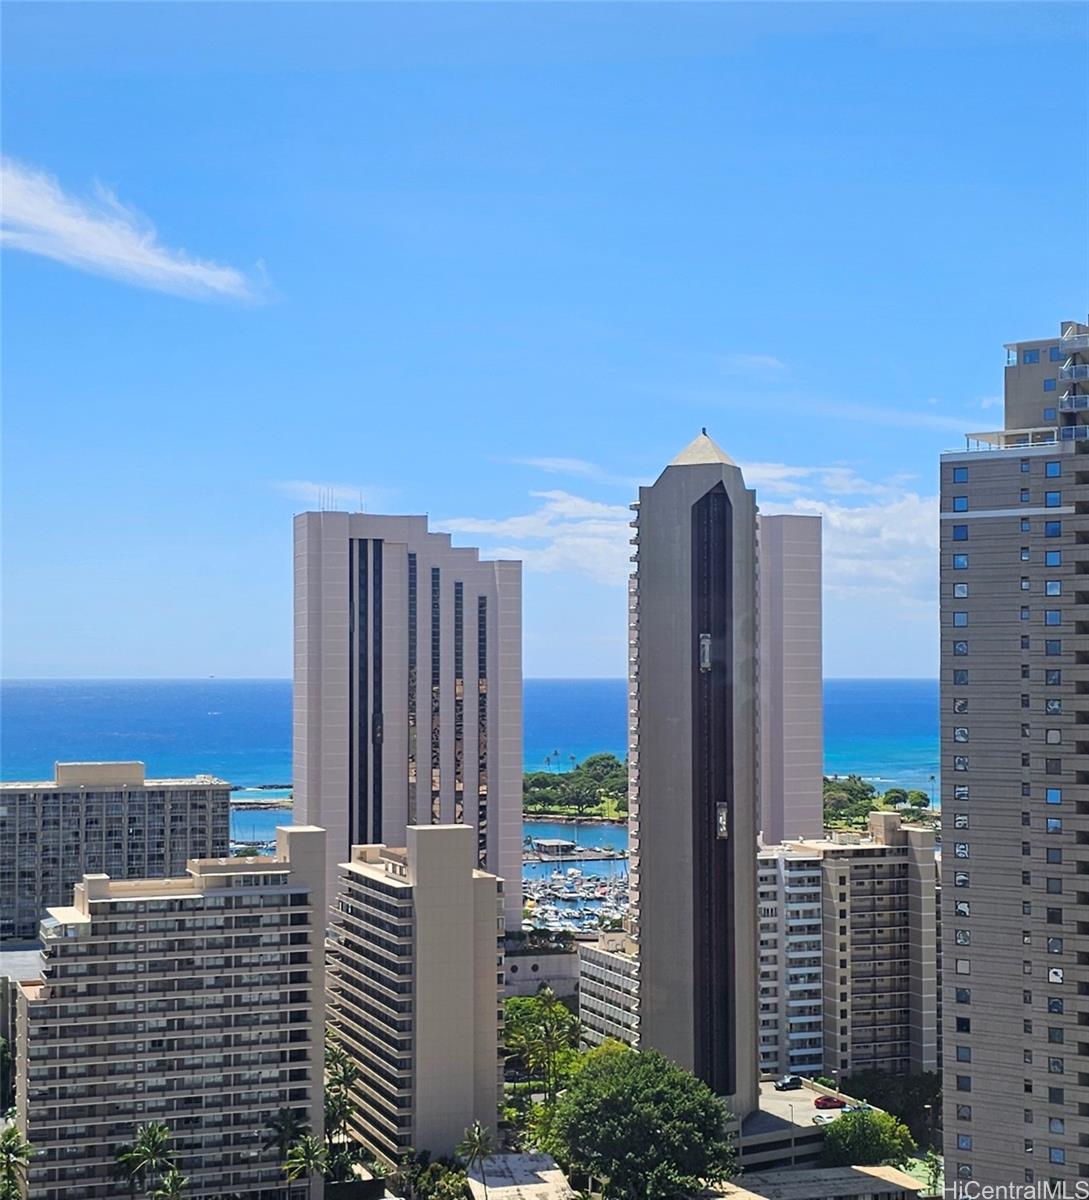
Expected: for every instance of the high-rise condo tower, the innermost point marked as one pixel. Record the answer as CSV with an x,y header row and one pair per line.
x,y
1014,770
693,762
408,689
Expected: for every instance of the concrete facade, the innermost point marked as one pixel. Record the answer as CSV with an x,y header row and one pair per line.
x,y
408,688
609,989
1015,804
791,678
791,961
415,974
94,818
693,769
196,1001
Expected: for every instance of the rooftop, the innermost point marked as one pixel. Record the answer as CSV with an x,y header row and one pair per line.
x,y
78,776
521,1177
821,1183
702,450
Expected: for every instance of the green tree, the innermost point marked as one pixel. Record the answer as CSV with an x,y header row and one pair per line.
x,y
451,1185
150,1155
305,1159
935,1167
646,1128
284,1128
896,796
911,1097
543,1033
15,1154
172,1187
477,1146
867,1137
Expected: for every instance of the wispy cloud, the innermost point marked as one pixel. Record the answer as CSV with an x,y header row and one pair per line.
x,y
562,533
104,237
576,468
351,497
754,364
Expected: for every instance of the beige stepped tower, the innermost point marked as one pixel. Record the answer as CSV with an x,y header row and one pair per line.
x,y
407,688
1015,778
693,761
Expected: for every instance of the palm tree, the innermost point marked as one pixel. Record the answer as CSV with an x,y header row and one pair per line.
x,y
15,1152
150,1154
122,1170
305,1158
172,1187
475,1147
284,1128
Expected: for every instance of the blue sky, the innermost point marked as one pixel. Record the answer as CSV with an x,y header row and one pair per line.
x,y
498,263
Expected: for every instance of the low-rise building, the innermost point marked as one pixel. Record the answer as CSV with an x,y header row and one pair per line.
x,y
825,1183
196,1002
609,989
100,818
415,976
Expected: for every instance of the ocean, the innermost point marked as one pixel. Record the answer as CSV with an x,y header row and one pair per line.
x,y
883,729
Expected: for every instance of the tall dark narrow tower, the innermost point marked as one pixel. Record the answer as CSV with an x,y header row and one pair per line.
x,y
693,760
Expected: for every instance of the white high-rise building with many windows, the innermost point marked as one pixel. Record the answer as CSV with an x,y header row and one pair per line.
x,y
408,688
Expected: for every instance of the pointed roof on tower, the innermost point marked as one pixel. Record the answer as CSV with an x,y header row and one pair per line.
x,y
702,450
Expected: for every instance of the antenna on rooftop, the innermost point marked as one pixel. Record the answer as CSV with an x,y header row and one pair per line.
x,y
703,430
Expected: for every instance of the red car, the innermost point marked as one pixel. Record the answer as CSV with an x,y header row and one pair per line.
x,y
829,1102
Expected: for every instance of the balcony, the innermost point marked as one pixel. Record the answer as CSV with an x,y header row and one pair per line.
x,y
1074,341
1073,403
1074,371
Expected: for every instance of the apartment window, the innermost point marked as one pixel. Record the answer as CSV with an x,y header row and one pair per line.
x,y
960,762
1053,678
1055,1035
964,1054
1054,945
960,820
1053,499
1024,612
964,966
1024,550
1028,1141
962,908
960,704
1026,1055
1054,916
1054,855
1054,795
960,474
1025,820
1026,789
1053,646
960,733
960,591
960,648
1056,1095
961,879
1054,824
964,1112
962,937
1028,357
964,1141
960,562
1026,937
1053,558
1053,529
1054,974
960,678
1049,414
1025,497
963,995
1026,905
1053,766
1049,386
1054,887
1026,849
1026,730
1026,878
1026,1027
960,503
1026,997
1025,700
1056,1154
964,1083
1056,1066
1053,736
1053,587
1053,707
1024,466
1053,469
960,619
1052,616
1025,760
1026,967
1024,671
960,791
960,533
1025,583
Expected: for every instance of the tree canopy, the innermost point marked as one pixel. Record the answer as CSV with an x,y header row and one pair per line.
x,y
905,1096
865,1138
580,788
849,800
646,1128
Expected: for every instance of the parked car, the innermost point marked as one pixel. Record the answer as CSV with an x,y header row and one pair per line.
x,y
788,1083
823,1119
829,1102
